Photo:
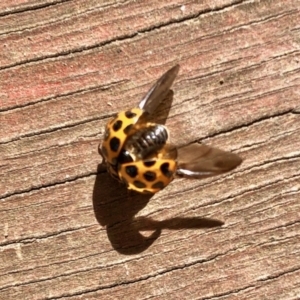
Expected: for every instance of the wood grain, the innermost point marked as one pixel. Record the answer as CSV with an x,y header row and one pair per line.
x,y
69,231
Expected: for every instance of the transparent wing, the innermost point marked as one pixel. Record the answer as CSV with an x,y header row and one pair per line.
x,y
201,161
159,91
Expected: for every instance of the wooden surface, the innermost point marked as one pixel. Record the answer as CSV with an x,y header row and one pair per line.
x,y
69,233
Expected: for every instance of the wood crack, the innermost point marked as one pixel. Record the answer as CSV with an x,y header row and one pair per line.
x,y
73,93
247,125
49,185
123,37
33,7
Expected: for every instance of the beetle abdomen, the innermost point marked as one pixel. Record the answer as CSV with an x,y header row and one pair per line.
x,y
147,141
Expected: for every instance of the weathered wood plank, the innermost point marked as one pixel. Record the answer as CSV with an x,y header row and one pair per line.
x,y
69,233
100,67
61,28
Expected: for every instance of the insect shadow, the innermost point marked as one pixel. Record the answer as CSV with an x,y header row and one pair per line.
x,y
115,208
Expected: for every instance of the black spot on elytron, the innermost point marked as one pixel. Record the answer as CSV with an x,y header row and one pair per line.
x,y
149,176
114,144
117,125
104,151
158,185
149,163
106,134
139,184
129,114
127,128
132,171
165,170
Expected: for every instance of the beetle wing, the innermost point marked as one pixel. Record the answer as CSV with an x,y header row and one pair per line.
x,y
169,151
159,90
201,161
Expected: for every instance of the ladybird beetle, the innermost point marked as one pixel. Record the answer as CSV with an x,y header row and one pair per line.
x,y
137,152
